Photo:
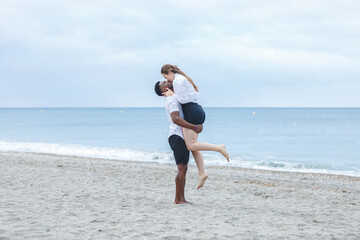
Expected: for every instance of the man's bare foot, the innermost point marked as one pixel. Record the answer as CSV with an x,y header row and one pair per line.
x,y
180,202
223,151
184,201
202,179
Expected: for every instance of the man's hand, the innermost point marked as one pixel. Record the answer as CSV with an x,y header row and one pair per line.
x,y
168,93
175,117
199,128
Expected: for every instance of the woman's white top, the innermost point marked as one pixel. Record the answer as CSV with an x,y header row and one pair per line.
x,y
184,90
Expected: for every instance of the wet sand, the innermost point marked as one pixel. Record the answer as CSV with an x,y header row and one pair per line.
x,y
45,196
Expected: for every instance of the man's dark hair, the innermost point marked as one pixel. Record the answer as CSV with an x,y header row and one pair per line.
x,y
157,89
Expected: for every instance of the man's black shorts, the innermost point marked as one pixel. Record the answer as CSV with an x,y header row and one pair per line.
x,y
181,154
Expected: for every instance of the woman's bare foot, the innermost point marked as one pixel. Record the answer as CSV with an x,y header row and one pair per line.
x,y
223,151
202,179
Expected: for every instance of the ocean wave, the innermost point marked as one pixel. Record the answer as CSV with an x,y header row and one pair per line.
x,y
211,159
305,168
86,151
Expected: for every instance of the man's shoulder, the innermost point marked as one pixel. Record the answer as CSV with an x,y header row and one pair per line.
x,y
171,100
172,104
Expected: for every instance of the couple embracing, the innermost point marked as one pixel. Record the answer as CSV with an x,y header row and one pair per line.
x,y
186,119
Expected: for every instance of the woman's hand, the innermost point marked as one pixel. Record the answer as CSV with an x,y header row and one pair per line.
x,y
168,93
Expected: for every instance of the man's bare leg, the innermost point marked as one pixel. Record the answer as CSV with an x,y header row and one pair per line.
x,y
200,164
183,192
180,184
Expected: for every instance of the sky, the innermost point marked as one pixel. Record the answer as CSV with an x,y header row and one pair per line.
x,y
258,53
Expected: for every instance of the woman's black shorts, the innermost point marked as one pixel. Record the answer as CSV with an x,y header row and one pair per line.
x,y
193,113
181,154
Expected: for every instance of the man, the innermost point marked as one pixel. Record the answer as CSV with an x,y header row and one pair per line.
x,y
176,139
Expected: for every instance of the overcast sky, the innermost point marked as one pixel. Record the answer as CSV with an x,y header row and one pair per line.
x,y
83,53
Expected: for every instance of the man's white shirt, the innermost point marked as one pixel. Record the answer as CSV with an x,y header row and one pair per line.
x,y
173,105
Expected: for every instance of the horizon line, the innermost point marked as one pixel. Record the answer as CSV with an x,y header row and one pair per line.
x,y
155,107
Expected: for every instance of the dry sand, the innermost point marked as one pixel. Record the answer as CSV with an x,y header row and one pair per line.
x,y
46,196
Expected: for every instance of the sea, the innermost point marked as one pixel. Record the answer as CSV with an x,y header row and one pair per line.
x,y
314,140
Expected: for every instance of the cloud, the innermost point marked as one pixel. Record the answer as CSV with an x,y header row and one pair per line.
x,y
294,43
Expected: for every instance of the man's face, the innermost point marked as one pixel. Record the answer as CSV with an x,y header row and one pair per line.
x,y
164,85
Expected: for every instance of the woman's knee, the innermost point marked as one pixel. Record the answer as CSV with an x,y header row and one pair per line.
x,y
190,147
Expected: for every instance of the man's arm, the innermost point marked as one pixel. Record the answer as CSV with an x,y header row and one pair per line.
x,y
175,116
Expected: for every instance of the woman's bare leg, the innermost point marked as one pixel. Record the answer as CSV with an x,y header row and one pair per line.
x,y
200,165
192,144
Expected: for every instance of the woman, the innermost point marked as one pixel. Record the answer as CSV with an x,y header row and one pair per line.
x,y
186,93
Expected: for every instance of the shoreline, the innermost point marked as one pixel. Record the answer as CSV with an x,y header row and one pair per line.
x,y
191,163
62,197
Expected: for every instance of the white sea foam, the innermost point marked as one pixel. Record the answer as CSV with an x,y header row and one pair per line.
x,y
211,159
85,151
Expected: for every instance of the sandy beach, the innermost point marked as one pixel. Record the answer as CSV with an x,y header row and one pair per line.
x,y
46,196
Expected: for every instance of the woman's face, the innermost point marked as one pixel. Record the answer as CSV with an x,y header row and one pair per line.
x,y
170,76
